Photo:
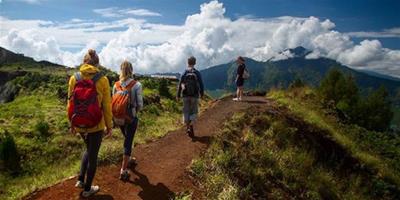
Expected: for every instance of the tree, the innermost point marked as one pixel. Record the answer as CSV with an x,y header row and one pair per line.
x,y
377,111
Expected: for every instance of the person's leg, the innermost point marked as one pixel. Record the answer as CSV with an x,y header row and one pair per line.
x,y
84,162
130,130
186,112
94,142
240,92
193,113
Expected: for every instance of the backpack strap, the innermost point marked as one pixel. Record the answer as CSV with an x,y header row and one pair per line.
x,y
78,76
97,77
118,86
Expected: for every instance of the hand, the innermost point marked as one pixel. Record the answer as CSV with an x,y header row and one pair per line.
x,y
177,98
72,130
108,133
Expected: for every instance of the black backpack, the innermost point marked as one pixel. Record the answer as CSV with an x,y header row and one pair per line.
x,y
191,83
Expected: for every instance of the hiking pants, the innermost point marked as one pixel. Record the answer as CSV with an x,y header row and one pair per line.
x,y
190,109
129,130
89,158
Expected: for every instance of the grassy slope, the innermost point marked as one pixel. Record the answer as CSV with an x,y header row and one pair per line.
x,y
262,155
50,158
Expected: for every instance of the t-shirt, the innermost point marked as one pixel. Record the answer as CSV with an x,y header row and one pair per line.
x,y
240,70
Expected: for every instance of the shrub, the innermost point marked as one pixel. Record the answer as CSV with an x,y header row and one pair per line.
x,y
297,83
42,129
9,155
163,89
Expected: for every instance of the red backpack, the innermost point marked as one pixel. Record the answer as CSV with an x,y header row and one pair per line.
x,y
84,110
121,103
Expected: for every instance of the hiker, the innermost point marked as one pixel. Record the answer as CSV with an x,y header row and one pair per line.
x,y
241,75
191,88
127,101
89,112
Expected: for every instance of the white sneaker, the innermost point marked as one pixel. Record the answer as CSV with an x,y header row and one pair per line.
x,y
93,190
235,99
79,184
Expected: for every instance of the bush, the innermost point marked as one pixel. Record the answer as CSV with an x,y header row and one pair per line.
x,y
42,129
297,83
163,89
9,157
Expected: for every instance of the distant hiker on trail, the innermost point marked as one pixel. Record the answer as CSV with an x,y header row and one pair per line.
x,y
127,101
241,75
89,112
191,88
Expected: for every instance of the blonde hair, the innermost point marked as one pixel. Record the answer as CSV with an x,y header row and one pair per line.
x,y
91,58
126,70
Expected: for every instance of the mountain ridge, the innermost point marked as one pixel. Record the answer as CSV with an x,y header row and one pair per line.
x,y
281,73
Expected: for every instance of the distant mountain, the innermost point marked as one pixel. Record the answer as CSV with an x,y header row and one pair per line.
x,y
280,73
11,59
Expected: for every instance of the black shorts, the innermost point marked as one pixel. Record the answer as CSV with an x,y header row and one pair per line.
x,y
239,82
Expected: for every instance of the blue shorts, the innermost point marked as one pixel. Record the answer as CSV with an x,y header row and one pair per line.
x,y
190,109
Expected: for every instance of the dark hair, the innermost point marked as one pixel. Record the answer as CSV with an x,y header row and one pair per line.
x,y
191,60
241,58
91,58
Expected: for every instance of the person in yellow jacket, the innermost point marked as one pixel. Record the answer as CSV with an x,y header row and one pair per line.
x,y
92,136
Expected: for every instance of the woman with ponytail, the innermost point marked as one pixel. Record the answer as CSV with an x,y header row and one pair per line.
x,y
89,115
127,101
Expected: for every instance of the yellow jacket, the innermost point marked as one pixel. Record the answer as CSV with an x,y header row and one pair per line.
x,y
103,96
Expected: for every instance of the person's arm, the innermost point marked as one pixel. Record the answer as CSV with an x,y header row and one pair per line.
x,y
179,90
71,85
106,102
200,79
139,97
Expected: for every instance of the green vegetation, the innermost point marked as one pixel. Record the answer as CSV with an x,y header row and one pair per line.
x,y
372,112
297,152
36,149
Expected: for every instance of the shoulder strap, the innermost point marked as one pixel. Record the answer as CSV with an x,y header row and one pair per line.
x,y
78,76
130,85
97,76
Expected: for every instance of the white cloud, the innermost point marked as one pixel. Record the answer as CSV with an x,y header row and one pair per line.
x,y
387,33
117,12
209,35
28,1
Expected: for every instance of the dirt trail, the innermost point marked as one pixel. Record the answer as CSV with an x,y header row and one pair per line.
x,y
162,164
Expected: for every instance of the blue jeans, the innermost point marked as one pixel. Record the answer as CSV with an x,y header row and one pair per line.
x,y
129,130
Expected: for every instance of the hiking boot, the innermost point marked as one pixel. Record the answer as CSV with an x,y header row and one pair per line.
x,y
93,190
131,163
191,131
79,184
124,176
235,99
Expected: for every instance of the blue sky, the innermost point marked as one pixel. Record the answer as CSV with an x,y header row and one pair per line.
x,y
358,19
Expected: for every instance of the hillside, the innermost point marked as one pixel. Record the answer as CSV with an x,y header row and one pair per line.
x,y
292,148
280,73
36,149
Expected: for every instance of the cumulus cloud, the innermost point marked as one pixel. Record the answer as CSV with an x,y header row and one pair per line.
x,y
208,35
117,12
